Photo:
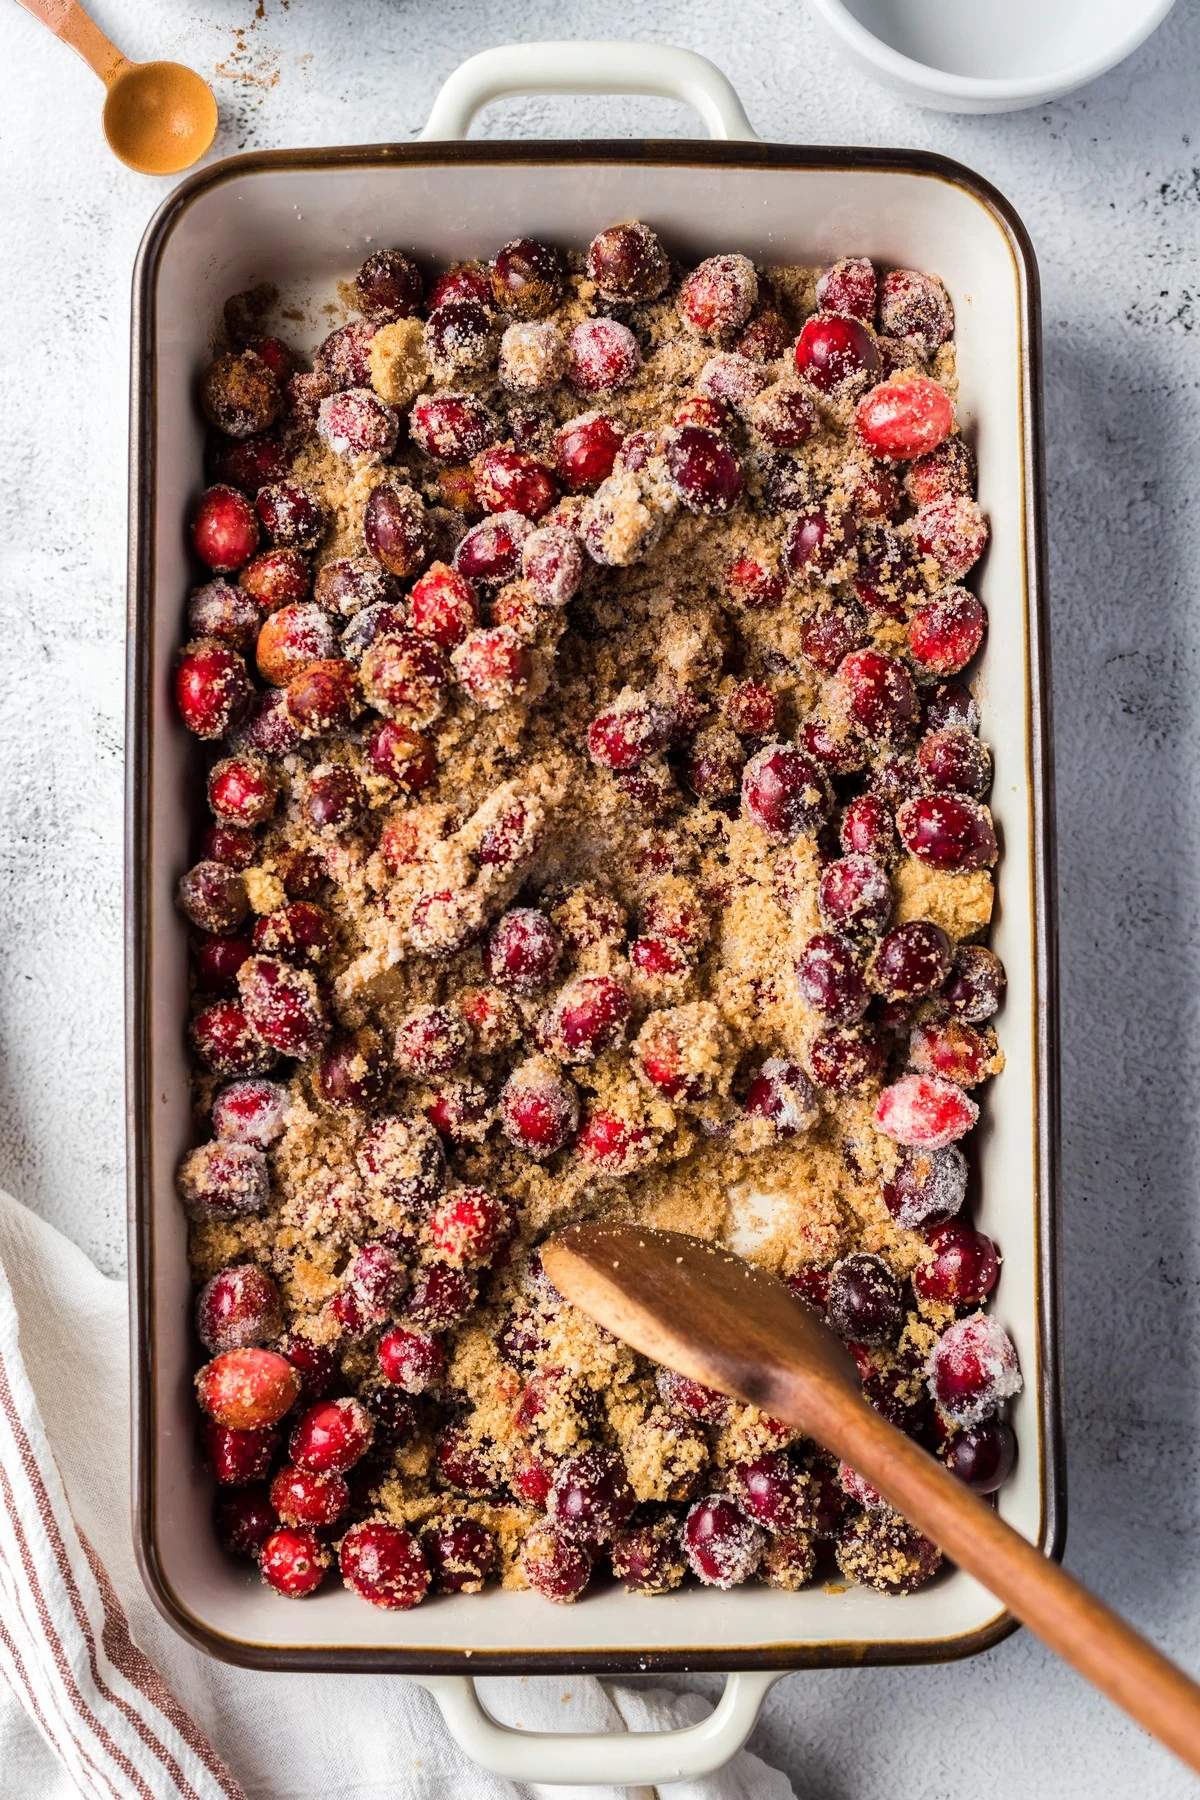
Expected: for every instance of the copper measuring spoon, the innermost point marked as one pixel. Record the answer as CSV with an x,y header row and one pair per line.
x,y
712,1316
159,117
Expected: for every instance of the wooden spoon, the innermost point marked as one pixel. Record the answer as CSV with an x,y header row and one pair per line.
x,y
159,117
714,1317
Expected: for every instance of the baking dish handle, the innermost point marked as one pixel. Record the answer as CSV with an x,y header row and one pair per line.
x,y
588,68
601,1758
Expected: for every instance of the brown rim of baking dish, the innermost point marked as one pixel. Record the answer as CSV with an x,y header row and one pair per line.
x,y
635,1659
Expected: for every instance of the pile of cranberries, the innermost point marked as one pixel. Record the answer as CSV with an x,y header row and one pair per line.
x,y
506,439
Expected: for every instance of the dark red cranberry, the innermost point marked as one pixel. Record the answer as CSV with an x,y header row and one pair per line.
x,y
452,428
403,755
627,262
411,1358
461,1554
981,1455
811,1285
591,1498
238,1306
491,551
384,1565
703,470
876,695
854,896
893,777
224,1042
848,286
239,394
773,1491
465,1463
248,463
750,583
333,799
394,1414
628,732
556,1566
928,1185
818,544
430,1042
946,634
916,307
784,792
523,951
646,1559
238,1456
388,286
244,1520
723,1547
588,1017
830,634
683,1395
912,961
866,1301
830,978
314,1363
868,829
718,296
602,356
212,688
526,278
844,1058
218,610
291,515
975,985
539,1111
585,450
345,355
216,961
395,530
948,832
964,1269
833,349
212,897
440,1297
951,705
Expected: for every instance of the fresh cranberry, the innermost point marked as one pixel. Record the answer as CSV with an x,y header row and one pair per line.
x,y
238,1307
866,1301
915,307
782,1094
526,278
603,356
677,1051
530,1478
293,638
924,1111
384,1565
975,985
470,1225
612,1145
951,1047
905,417
388,286
717,297
218,610
276,578
402,1162
627,262
333,798
954,761
874,493
834,349
523,951
848,287
249,463
345,355
251,1112
512,839
394,1414
452,428
539,1111
844,1058
855,896
212,897
828,635
585,450
493,665
304,396
750,583
440,1297
411,1358
811,1285
444,921
751,709
953,532
722,1546
591,1497
395,528
772,1490
785,793
465,1463
703,471
461,281
556,1566
283,1005
628,732
293,1561
787,486
818,544
323,699
223,1040
405,677
893,776
947,471
216,961
946,634
269,729
982,1456
830,978
964,1269
588,1017
973,1369
782,415
533,360
248,1389
377,1279
224,529
951,705
657,960
243,1521
511,481
912,961
734,381
491,551
552,564
928,1185
314,1363
302,1497
212,688
401,754
431,1041
237,1457
352,1073
876,695
765,338
868,829
331,1436
683,1395
948,832
461,1554
291,515
646,1558
348,584
705,410
357,423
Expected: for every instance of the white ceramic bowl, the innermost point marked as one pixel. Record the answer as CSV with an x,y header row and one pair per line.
x,y
988,55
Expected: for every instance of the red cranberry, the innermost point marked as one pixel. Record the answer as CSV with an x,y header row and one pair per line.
x,y
223,1040
591,1498
402,1162
782,415
384,1565
855,896
242,790
291,515
915,307
491,551
218,610
585,450
526,278
973,1369
247,1389
603,356
982,1456
946,634
405,677
656,960
646,1558
411,1358
461,1554
830,978
283,1005
785,793
722,1546
333,798
953,532
511,481
927,1185
345,355
588,1017
213,897
347,584
612,1145
834,349
828,635
876,695
470,1226
718,296
703,471
812,1286
276,578
331,1436
523,951
552,564
948,832
866,1301
539,1111
212,688
237,1308
302,1497
216,961
388,286
964,1268
704,410
395,528
868,829
323,699
357,423
952,1048
269,729
493,665
954,761
750,583
224,529
924,1111
683,1395
678,1050
237,1457
893,777
292,639
874,493
947,471
244,1521
782,1094
848,287
627,262
844,1058
377,1279
452,428
912,961
951,705
249,463
461,281
304,396
393,1412
294,1561
975,986
765,338
352,1072
512,839
444,921
401,754
773,1491
440,1297
628,732
555,1565
904,417
430,1042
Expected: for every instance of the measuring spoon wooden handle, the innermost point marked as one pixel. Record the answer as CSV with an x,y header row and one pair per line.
x,y
68,21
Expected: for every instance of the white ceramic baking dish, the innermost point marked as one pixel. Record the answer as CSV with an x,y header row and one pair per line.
x,y
308,217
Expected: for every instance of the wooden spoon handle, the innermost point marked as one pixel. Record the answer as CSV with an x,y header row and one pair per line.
x,y
1063,1613
68,21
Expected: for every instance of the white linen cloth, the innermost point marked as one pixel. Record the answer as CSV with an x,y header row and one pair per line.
x,y
102,1699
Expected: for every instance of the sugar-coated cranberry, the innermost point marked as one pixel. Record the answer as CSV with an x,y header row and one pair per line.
x,y
602,356
655,959
811,1285
830,977
624,735
946,634
588,1017
218,610
431,1041
591,1498
469,1225
893,776
237,1457
395,529
247,1389
491,551
394,1414
928,1185
585,450
875,694
324,698
973,1369
647,1559
216,961
705,410
461,1554
352,1073
905,417
452,428
949,705
276,578
444,921
954,761
702,470
556,1566
787,486
402,1162
212,897
788,1562
384,1565
848,287
784,792
223,1040
248,463
866,1301
733,380
947,471
782,1094
243,1521
717,297
874,492
533,357
443,606
854,896
964,1267
269,729
388,286
412,1358
331,1436
440,1297
868,829
513,481
773,1491
238,1307
882,1551
684,1395
722,1546
377,1279
924,1112
240,394
844,1058
677,1051
982,1456
856,1487
951,1047
526,278
836,749
948,832
915,307
552,564
345,355
627,262
356,423
283,1005
493,665
539,1110
818,545
975,985
291,515
782,415
530,1477
465,1462
304,394
212,688
294,1561
302,1497
401,754
523,951
834,350
953,532
347,584
765,338
829,634
291,639
461,281
333,798
612,1144
912,961
251,1112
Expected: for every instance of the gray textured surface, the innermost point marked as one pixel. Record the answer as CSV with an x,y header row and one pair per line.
x,y
1110,188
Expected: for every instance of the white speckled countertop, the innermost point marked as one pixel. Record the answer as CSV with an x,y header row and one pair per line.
x,y
1109,185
